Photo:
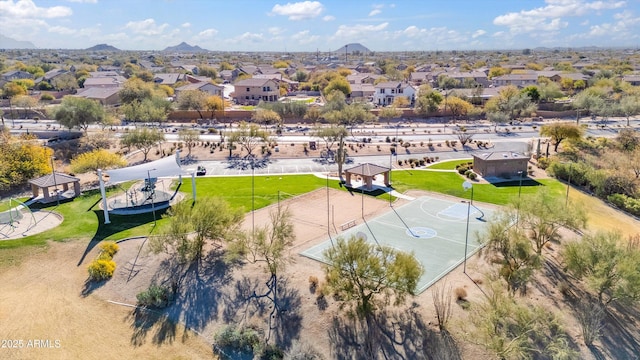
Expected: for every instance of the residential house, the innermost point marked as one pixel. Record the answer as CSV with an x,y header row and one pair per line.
x,y
363,91
16,75
50,75
633,79
386,92
363,78
108,96
478,76
207,87
104,82
252,91
168,78
519,80
109,68
419,78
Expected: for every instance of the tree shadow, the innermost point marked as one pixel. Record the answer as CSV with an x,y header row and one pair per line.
x,y
279,306
143,320
390,335
118,224
91,286
620,339
196,301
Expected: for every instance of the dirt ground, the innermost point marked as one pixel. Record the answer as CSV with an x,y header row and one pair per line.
x,y
46,297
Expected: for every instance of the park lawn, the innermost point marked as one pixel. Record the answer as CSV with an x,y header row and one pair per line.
x,y
237,190
450,183
448,165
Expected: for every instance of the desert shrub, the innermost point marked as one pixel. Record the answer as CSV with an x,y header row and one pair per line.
x,y
461,293
462,170
466,173
156,296
625,203
108,249
543,162
302,351
233,340
46,97
472,176
101,269
272,352
313,283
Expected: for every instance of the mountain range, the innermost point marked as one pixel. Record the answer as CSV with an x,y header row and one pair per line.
x,y
184,47
103,47
9,43
353,48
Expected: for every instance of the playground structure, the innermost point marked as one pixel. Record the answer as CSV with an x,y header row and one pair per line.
x,y
143,197
18,218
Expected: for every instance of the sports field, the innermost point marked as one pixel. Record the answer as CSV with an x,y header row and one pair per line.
x,y
435,230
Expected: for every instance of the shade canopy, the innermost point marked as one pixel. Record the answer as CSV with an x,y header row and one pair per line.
x,y
168,166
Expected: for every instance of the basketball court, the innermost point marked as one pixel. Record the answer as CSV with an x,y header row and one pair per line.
x,y
433,229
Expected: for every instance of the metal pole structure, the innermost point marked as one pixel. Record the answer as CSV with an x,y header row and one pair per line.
x,y
519,193
153,192
566,200
466,185
55,184
253,200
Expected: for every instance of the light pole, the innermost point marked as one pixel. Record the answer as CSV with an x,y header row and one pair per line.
x,y
153,192
566,200
55,183
466,186
519,193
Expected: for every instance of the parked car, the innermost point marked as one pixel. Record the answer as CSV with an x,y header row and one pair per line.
x,y
201,171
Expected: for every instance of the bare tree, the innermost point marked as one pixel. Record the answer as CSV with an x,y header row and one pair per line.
x,y
441,296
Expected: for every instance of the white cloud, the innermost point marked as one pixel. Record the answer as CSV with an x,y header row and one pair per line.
x,y
478,33
84,1
299,11
377,9
248,37
345,31
208,33
549,17
146,27
328,18
275,31
186,25
61,30
304,38
27,9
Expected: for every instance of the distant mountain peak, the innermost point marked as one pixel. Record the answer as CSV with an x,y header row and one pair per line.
x,y
352,48
184,47
9,43
103,47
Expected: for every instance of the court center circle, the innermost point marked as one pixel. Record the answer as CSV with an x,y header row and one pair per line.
x,y
421,232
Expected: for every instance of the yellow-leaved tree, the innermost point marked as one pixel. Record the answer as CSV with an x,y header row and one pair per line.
x,y
97,159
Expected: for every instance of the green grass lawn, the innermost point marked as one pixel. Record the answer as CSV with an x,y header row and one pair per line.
x,y
84,219
450,183
448,165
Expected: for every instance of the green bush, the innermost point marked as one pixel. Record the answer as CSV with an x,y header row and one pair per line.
x,y
625,203
472,176
157,296
101,269
243,340
46,97
543,163
108,249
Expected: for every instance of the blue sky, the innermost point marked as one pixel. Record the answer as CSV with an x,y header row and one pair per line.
x,y
326,25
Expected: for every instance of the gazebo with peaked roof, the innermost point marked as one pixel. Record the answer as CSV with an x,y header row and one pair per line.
x,y
54,181
367,172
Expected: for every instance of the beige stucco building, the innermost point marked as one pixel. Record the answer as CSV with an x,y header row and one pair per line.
x,y
503,164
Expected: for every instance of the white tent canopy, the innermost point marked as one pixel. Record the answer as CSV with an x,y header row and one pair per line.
x,y
168,166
